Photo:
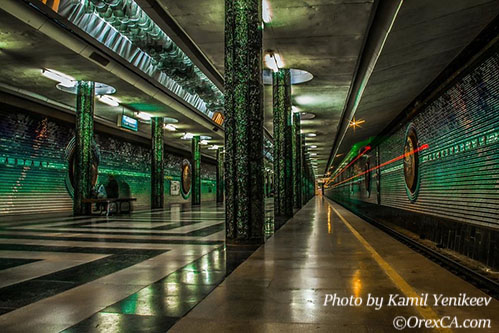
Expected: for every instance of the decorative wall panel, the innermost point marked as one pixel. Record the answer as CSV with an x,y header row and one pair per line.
x,y
33,166
457,202
459,172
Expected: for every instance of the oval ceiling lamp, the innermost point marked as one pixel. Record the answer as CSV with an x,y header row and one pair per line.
x,y
306,115
297,76
100,88
170,120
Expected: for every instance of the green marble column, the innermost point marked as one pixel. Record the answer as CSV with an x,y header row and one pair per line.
x,y
157,163
85,102
220,175
298,160
196,171
283,144
304,170
244,193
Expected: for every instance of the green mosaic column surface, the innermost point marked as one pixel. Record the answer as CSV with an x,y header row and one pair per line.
x,y
196,171
220,175
297,158
303,171
157,163
85,92
244,122
283,143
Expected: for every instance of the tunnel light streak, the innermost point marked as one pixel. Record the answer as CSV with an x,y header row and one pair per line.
x,y
366,149
214,147
203,142
412,152
111,101
63,79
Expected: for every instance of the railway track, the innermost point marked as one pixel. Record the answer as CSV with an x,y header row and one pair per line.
x,y
488,286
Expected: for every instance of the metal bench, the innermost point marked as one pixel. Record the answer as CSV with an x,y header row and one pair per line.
x,y
104,205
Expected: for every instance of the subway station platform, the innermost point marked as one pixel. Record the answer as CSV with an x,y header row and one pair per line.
x,y
152,271
109,274
249,166
326,250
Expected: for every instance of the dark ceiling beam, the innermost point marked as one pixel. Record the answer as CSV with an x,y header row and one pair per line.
x,y
381,22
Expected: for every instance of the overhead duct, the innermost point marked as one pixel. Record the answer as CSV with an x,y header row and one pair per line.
x,y
45,25
384,18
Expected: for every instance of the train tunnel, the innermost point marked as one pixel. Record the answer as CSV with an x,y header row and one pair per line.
x,y
249,165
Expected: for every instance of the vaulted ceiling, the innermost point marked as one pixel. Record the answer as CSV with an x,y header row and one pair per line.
x,y
326,37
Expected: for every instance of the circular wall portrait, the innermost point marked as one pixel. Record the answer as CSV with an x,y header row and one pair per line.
x,y
411,163
186,178
70,157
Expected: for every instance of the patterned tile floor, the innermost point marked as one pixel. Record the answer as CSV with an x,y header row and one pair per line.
x,y
130,273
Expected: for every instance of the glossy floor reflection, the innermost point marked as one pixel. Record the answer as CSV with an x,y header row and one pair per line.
x,y
130,273
325,249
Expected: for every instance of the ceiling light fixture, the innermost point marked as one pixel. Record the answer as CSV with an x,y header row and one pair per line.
x,y
273,61
312,147
266,12
311,135
169,120
354,123
203,142
143,115
63,79
214,147
306,116
111,101
187,136
313,154
205,137
170,127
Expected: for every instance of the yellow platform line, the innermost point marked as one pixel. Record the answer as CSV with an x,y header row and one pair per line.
x,y
399,281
